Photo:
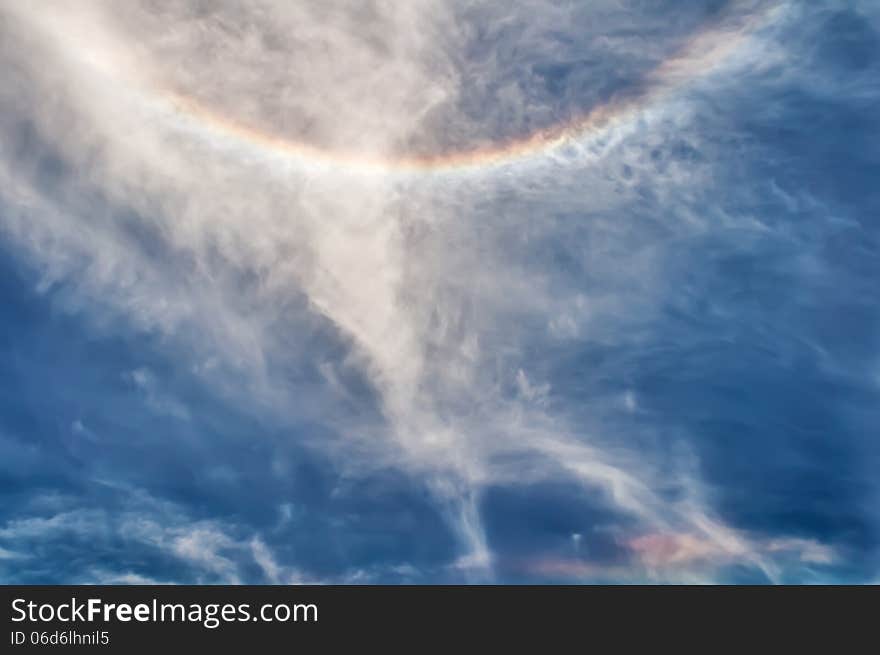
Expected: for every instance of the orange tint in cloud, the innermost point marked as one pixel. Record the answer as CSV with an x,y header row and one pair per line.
x,y
660,550
679,556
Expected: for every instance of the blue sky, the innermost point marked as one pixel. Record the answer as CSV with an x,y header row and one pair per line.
x,y
618,324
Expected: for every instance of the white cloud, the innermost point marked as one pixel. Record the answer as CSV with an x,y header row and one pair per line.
x,y
210,237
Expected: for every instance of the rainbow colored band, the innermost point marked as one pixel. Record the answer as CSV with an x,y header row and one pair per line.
x,y
700,56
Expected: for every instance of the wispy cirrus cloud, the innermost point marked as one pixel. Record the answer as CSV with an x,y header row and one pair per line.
x,y
472,331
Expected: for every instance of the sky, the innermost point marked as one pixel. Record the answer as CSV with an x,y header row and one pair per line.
x,y
441,291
